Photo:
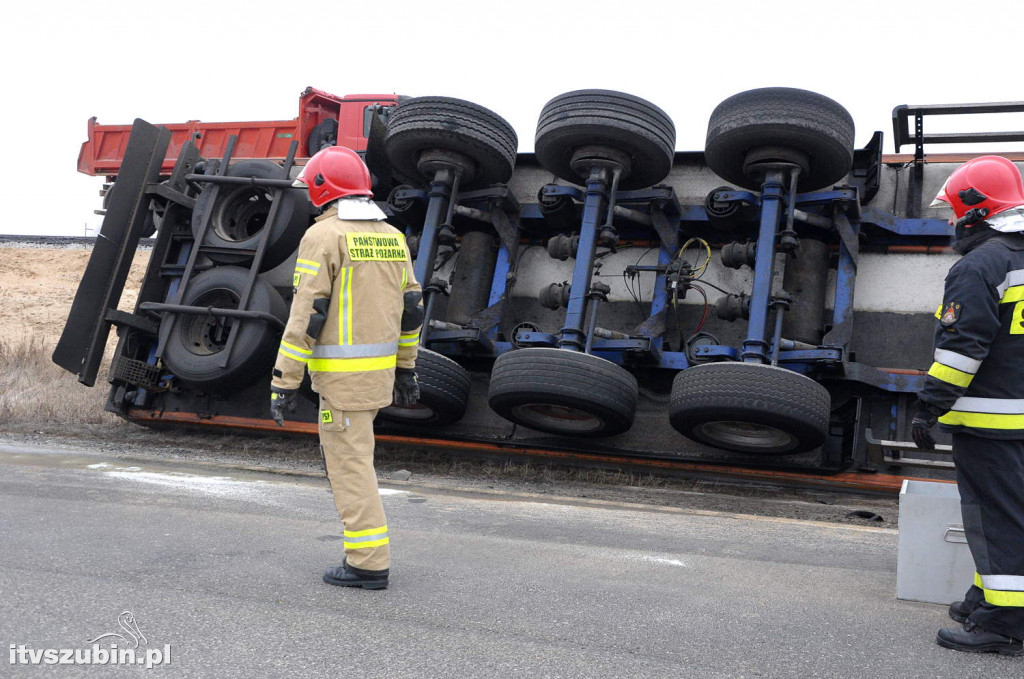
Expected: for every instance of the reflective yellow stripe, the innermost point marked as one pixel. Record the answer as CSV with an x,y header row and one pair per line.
x,y
352,365
998,598
950,375
294,352
285,352
1014,294
348,296
368,531
300,350
983,420
302,269
308,262
405,277
938,312
366,545
343,304
410,340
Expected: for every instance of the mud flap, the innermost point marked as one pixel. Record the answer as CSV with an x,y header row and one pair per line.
x,y
81,345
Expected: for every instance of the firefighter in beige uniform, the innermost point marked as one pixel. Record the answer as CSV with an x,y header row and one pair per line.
x,y
354,323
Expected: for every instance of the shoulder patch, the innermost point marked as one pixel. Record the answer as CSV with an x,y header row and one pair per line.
x,y
950,314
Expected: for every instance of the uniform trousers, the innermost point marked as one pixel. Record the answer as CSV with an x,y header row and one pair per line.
x,y
346,443
990,476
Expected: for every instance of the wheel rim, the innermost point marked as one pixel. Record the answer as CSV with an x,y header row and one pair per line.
x,y
417,412
746,435
554,417
242,214
206,335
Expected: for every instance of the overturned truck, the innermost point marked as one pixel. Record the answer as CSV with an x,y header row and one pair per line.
x,y
768,302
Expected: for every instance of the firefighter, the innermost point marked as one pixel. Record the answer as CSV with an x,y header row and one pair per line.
x,y
975,391
355,323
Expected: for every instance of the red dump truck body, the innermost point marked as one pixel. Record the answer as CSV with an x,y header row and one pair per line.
x,y
103,151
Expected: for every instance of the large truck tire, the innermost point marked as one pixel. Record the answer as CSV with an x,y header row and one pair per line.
x,y
431,124
750,408
563,392
616,120
444,393
772,121
238,217
323,135
196,344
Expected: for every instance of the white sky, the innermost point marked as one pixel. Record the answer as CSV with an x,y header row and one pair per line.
x,y
228,60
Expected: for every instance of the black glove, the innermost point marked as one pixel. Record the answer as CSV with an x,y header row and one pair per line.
x,y
281,400
407,389
924,419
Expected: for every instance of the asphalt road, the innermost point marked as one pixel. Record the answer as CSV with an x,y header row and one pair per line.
x,y
225,568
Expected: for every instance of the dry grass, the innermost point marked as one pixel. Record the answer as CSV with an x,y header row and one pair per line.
x,y
34,390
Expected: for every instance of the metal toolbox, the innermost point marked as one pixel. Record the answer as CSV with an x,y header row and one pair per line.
x,y
934,564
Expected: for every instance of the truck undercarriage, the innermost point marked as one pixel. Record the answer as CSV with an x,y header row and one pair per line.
x,y
766,303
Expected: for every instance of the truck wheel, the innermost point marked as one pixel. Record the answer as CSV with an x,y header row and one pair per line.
x,y
750,408
622,122
780,123
238,217
195,346
444,393
443,124
563,392
324,134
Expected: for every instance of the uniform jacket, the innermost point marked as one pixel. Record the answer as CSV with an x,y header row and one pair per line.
x,y
977,378
345,320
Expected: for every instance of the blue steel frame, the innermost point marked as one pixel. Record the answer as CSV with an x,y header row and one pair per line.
x,y
647,349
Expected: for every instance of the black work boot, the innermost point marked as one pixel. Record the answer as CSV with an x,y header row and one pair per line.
x,y
350,576
973,639
959,611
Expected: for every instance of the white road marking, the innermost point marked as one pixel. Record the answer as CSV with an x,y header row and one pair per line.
x,y
215,485
666,561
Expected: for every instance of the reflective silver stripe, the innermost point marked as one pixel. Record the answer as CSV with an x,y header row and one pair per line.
x,y
367,538
355,350
1012,278
958,361
1004,583
346,272
1002,406
291,353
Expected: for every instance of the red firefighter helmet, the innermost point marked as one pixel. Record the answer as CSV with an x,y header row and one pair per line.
x,y
986,185
335,172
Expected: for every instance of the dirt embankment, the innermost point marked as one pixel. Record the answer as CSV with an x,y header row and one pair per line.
x,y
37,286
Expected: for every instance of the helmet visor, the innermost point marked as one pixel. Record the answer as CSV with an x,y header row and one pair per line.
x,y
940,197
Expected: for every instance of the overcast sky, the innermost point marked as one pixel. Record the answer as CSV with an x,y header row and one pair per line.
x,y
227,61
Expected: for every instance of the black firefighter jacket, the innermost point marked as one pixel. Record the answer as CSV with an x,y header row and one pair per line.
x,y
977,378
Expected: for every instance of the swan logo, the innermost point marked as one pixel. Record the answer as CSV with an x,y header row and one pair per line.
x,y
121,647
126,621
